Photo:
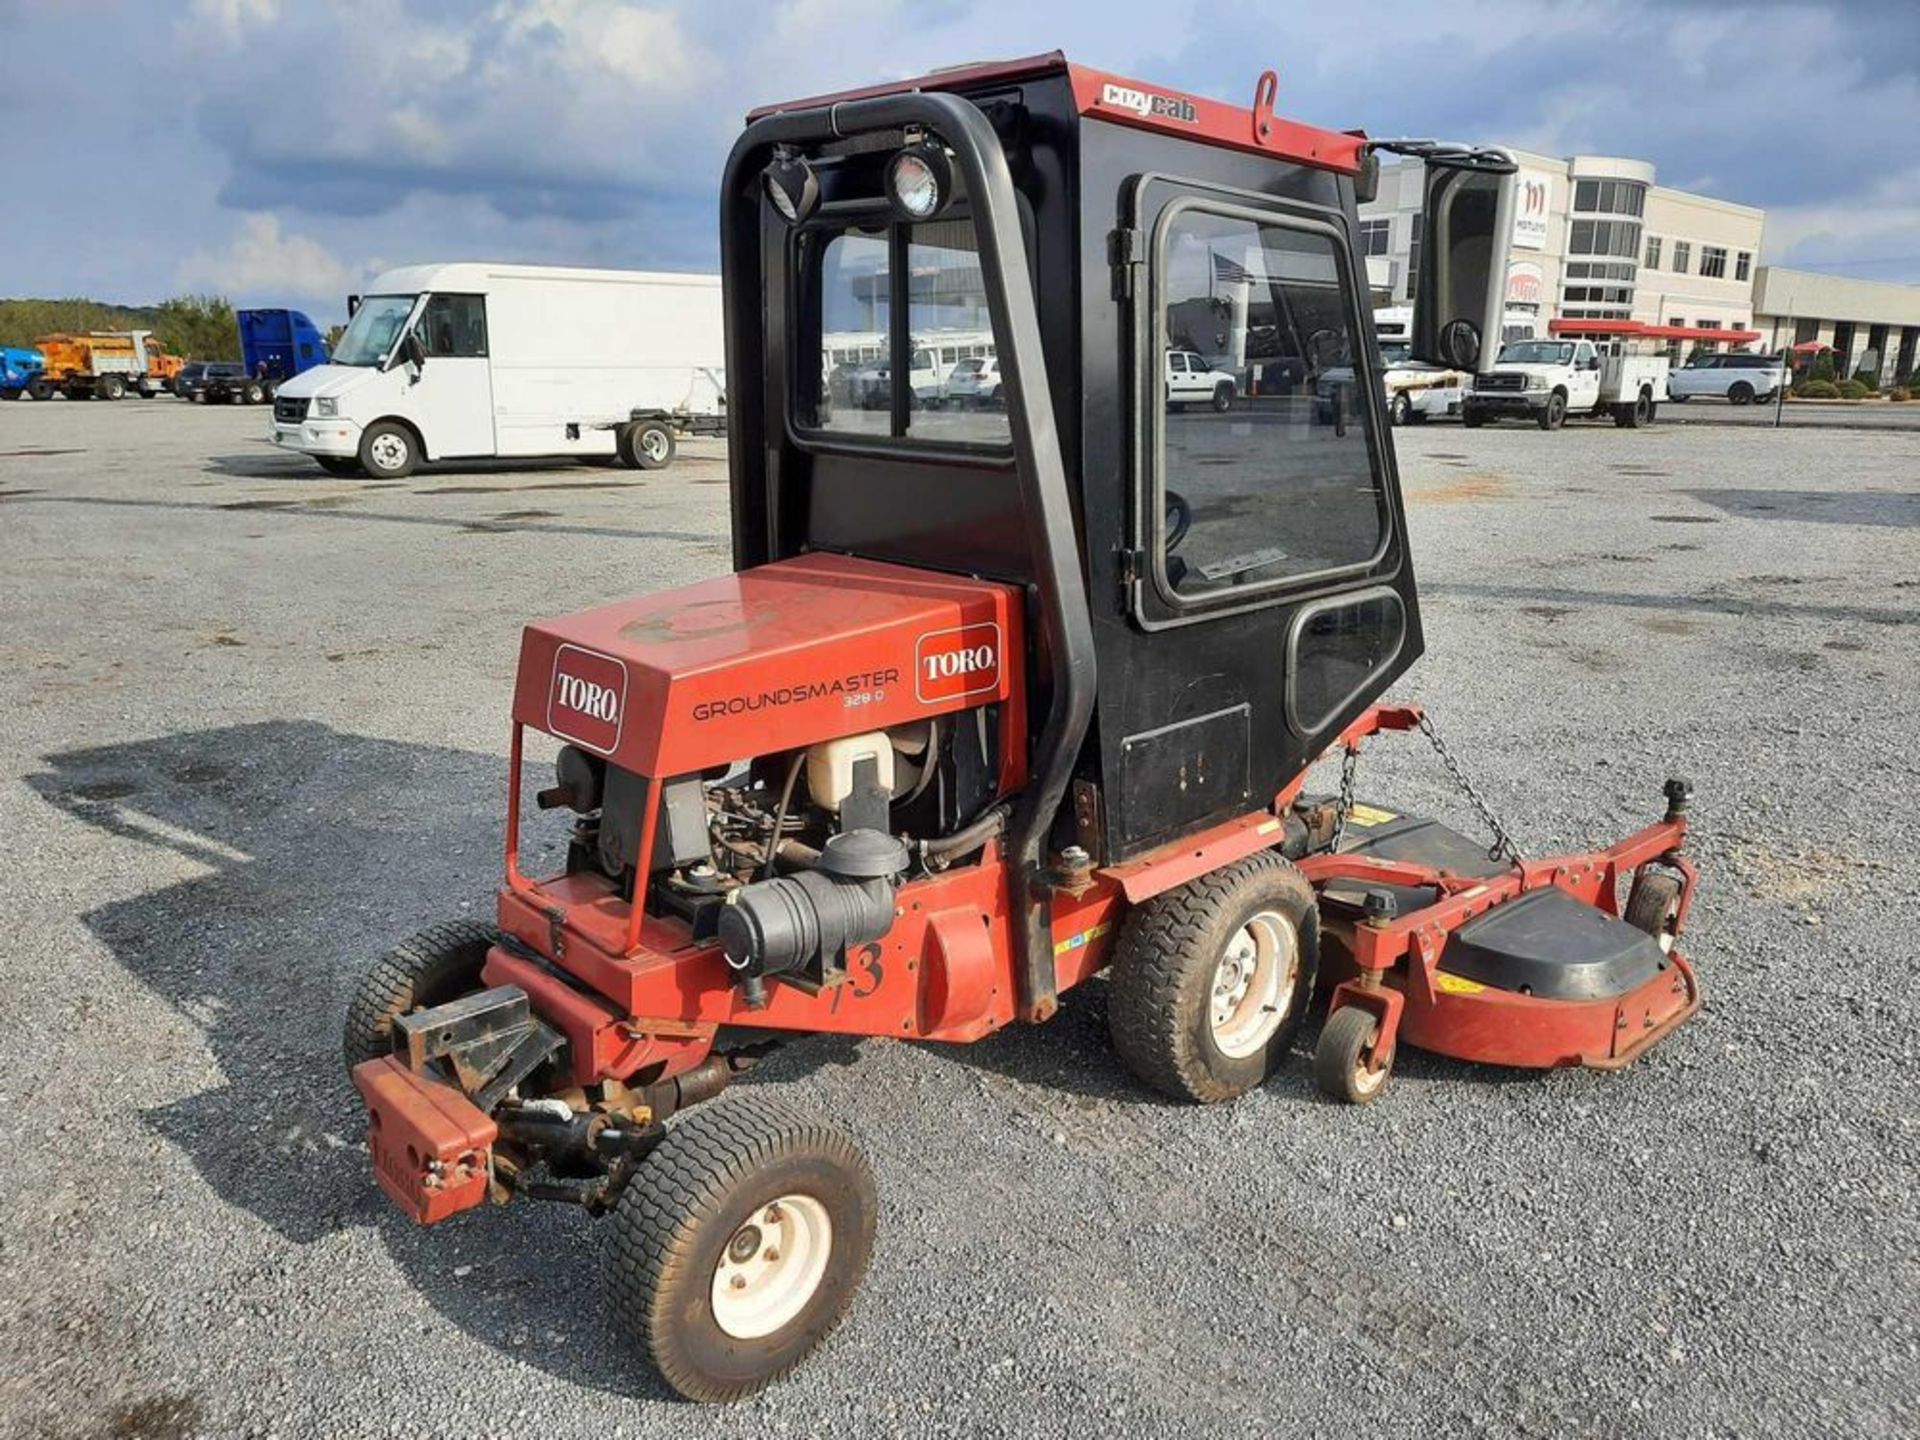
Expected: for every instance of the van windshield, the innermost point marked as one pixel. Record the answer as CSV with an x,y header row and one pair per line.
x,y
1536,352
375,325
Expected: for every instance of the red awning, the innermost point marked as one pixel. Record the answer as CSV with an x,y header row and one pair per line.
x,y
1811,347
1635,330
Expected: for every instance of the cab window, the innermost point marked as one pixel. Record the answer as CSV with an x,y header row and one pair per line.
x,y
938,283
454,326
1270,479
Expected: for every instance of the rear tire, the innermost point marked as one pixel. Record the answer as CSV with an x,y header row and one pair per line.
x,y
1401,411
1210,979
739,1244
439,964
1740,394
1471,418
389,451
253,394
1222,397
110,387
1341,1061
39,390
651,444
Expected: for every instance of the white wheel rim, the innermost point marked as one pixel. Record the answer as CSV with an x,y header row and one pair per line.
x,y
1253,984
653,444
772,1266
389,451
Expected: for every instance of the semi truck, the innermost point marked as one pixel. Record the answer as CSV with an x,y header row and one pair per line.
x,y
275,346
475,360
20,374
108,364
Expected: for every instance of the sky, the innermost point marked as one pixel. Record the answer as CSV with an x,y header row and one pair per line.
x,y
284,151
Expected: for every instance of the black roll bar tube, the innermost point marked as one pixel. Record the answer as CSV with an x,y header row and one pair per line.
x,y
1061,601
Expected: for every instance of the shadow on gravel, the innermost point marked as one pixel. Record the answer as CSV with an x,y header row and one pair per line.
x,y
279,465
1897,509
314,850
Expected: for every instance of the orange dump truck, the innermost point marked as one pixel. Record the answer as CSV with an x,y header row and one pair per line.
x,y
107,364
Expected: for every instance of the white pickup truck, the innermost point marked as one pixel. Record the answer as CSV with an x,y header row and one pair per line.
x,y
1545,381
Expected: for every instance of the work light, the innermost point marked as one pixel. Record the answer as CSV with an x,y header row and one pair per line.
x,y
792,186
919,181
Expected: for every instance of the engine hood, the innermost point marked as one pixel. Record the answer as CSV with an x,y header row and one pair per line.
x,y
334,380
780,656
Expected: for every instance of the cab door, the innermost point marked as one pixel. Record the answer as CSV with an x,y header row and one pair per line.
x,y
1583,390
451,397
1269,589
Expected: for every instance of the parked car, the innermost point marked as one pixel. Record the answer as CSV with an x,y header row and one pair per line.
x,y
975,382
191,382
1190,379
226,382
1739,379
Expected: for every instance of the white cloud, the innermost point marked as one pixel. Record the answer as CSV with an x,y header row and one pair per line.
x,y
232,18
263,260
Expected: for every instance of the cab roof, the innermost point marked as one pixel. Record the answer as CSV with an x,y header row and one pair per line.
x,y
1100,95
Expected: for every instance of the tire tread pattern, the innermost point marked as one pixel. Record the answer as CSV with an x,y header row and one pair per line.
x,y
655,1226
421,965
1160,943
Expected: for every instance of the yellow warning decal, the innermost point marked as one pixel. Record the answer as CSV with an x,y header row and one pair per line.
x,y
1456,984
1369,815
1083,939
1266,827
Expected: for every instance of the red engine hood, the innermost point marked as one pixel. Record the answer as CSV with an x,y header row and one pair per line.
x,y
784,655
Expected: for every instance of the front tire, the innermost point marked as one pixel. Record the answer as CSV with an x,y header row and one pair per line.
x,y
439,964
1222,397
39,390
389,451
1555,415
1210,979
253,394
1401,411
1343,1060
1472,418
738,1246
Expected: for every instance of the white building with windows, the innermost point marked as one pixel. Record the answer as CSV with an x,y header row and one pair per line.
x,y
1595,238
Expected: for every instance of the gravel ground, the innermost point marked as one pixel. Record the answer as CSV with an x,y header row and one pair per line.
x,y
255,732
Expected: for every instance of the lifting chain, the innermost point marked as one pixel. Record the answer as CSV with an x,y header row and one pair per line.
x,y
1347,768
1502,842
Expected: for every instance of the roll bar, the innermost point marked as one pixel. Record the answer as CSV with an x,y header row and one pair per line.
x,y
1065,629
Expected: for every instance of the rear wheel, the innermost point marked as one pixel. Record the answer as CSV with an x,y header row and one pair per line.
x,y
1471,418
110,387
739,1244
254,393
651,445
1401,411
1343,1061
1555,415
439,964
1741,393
1223,397
1210,979
388,450
39,390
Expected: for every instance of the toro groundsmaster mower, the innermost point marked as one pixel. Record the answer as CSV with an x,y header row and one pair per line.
x,y
1067,535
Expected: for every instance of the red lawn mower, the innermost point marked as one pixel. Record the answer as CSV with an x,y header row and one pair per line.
x,y
1067,535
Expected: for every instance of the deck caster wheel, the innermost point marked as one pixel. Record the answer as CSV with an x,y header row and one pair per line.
x,y
1342,1059
1653,905
439,964
738,1245
1210,979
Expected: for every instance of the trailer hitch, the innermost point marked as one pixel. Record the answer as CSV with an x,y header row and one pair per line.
x,y
490,1041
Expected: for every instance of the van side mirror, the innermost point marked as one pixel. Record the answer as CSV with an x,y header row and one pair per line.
x,y
1460,292
415,349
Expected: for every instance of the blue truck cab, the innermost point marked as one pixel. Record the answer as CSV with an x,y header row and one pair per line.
x,y
20,372
276,345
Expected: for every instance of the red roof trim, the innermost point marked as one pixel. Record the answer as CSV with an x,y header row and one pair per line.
x,y
1141,106
1635,330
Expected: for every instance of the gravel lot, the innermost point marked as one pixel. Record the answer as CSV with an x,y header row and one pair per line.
x,y
255,732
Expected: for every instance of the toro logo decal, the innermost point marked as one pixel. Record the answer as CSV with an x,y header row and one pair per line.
x,y
1149,106
950,663
588,701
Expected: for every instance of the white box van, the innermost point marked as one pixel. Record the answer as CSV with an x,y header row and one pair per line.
x,y
470,360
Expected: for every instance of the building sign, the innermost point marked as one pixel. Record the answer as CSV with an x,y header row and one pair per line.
x,y
1526,283
1532,202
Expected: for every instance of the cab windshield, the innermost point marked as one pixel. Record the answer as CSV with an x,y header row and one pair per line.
x,y
1536,352
375,326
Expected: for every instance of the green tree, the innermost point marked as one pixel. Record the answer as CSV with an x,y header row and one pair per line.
x,y
199,326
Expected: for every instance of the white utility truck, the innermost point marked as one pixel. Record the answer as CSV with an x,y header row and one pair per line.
x,y
1547,380
474,360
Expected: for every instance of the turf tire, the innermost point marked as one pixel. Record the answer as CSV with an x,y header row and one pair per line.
x,y
439,964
